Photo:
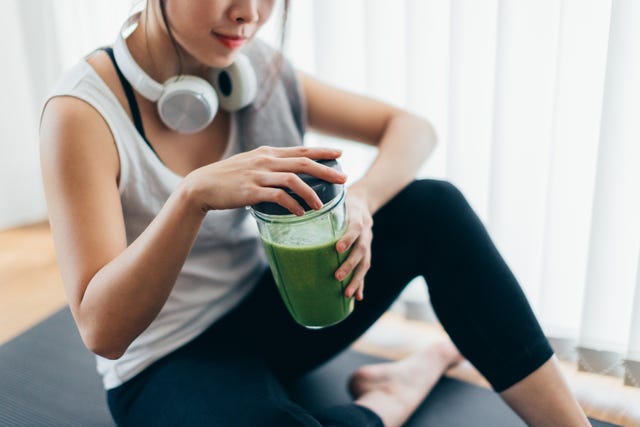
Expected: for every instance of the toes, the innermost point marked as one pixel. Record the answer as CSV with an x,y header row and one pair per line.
x,y
357,383
366,378
451,354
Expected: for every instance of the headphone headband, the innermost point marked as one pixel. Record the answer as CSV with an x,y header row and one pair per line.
x,y
140,80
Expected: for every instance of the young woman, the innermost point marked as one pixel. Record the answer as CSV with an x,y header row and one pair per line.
x,y
163,267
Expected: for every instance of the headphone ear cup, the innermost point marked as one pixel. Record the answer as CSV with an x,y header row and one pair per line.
x,y
235,85
188,104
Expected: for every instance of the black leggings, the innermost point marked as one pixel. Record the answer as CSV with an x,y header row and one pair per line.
x,y
232,374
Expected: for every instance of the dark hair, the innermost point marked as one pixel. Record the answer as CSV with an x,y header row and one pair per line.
x,y
276,65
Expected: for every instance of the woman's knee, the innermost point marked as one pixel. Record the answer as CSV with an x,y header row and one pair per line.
x,y
428,199
437,192
422,203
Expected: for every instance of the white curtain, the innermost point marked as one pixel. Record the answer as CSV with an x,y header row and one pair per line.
x,y
536,105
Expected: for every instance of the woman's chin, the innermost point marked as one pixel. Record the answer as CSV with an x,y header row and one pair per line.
x,y
219,60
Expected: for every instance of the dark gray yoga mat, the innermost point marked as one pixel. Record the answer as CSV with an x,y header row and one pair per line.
x,y
48,378
451,403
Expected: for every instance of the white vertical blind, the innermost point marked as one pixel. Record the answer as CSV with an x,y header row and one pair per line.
x,y
340,59
615,228
427,24
579,85
633,352
339,42
522,123
302,26
472,66
364,50
385,54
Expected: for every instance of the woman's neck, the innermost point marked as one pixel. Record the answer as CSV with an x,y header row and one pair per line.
x,y
152,48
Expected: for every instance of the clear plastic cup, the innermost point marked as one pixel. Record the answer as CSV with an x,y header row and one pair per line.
x,y
302,254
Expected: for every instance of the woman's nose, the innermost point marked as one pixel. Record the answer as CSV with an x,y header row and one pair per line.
x,y
244,11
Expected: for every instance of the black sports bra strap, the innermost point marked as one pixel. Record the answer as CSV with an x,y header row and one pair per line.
x,y
131,99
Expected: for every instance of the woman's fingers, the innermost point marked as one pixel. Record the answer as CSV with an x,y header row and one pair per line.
x,y
292,182
349,237
314,153
356,285
279,196
349,264
297,160
307,166
360,255
235,182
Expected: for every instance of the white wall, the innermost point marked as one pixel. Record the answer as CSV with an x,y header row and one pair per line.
x,y
21,194
42,39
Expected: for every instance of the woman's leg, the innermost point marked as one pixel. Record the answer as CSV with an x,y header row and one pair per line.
x,y
429,229
219,383
391,391
545,389
480,303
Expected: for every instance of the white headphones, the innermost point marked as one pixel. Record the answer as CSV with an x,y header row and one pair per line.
x,y
187,104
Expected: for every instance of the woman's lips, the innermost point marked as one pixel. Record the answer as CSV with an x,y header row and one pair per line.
x,y
232,42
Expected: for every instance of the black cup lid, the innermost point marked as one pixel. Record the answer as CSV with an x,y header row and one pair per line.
x,y
325,190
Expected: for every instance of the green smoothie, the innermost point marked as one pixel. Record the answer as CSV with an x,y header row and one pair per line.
x,y
305,275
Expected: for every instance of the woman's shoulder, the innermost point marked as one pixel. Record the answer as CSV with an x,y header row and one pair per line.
x,y
66,124
69,118
93,78
72,99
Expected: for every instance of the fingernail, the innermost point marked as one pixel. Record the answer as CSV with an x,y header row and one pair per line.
x,y
339,275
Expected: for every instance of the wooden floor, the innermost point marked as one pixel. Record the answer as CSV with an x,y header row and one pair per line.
x,y
31,289
30,284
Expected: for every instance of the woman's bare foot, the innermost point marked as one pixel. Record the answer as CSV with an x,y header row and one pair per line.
x,y
394,390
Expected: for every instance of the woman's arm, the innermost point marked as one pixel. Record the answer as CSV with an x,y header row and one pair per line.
x,y
404,140
114,290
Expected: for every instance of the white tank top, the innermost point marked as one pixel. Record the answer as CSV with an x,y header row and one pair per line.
x,y
226,259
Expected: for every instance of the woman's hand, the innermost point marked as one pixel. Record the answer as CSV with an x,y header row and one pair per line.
x,y
358,236
260,175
